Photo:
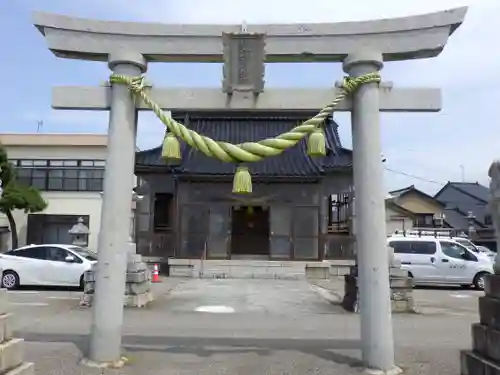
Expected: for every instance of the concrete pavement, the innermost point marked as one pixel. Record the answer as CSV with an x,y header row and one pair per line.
x,y
252,327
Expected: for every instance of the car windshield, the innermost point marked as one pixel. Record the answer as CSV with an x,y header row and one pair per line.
x,y
89,255
469,245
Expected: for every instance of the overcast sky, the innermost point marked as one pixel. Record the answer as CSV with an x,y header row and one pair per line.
x,y
427,149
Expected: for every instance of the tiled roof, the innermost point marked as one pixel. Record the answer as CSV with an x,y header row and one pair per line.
x,y
473,189
465,197
398,192
238,129
455,219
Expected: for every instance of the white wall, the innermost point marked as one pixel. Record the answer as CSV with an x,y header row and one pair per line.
x,y
57,152
396,221
66,203
59,202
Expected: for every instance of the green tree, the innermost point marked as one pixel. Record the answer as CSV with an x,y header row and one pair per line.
x,y
16,196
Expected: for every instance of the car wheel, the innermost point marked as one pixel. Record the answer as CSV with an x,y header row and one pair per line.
x,y
479,280
10,280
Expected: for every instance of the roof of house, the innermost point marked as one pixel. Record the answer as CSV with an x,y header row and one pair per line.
x,y
412,189
472,189
236,128
396,207
478,205
458,220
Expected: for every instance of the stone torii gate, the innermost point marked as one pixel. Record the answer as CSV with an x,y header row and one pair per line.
x,y
362,47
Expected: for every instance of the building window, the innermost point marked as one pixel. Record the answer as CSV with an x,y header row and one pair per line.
x,y
424,221
52,229
339,212
488,220
162,212
61,175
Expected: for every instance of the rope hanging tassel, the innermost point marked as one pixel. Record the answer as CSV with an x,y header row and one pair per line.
x,y
242,182
171,148
247,152
316,144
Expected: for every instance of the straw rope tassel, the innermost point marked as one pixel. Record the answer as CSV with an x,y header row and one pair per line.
x,y
247,152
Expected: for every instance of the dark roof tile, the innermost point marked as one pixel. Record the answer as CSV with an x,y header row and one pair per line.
x,y
239,129
474,189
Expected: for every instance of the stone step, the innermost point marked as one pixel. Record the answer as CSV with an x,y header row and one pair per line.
x,y
257,269
11,354
26,368
256,273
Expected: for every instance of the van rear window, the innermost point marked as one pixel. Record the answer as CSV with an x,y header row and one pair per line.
x,y
413,247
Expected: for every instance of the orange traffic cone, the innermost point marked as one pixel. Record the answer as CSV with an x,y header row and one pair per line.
x,y
156,275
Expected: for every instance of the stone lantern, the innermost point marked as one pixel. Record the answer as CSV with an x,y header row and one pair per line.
x,y
79,234
470,220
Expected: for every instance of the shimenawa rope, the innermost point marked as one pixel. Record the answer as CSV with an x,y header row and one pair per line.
x,y
247,152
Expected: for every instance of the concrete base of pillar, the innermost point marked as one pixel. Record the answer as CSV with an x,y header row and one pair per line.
x,y
11,349
394,371
137,287
401,291
484,358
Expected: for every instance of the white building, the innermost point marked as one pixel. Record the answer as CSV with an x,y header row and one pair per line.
x,y
69,171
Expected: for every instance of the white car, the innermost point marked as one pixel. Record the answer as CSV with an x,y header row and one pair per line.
x,y
437,260
48,265
484,250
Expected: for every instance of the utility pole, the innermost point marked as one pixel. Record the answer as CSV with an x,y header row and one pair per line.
x,y
39,125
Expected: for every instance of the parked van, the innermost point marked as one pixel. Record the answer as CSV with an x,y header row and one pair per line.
x,y
440,260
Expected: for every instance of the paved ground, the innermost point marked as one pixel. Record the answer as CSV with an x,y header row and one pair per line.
x,y
251,327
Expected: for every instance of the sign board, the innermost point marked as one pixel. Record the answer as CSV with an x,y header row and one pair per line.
x,y
244,66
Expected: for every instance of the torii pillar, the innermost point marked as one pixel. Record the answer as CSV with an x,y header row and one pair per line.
x,y
127,46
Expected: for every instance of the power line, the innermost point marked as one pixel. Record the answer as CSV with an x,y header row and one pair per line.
x,y
413,176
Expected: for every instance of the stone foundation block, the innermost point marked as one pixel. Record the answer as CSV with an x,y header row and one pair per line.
x,y
5,327
26,368
136,267
130,300
486,341
132,277
398,272
134,258
492,286
130,288
489,312
137,288
401,294
182,271
137,277
317,272
398,282
138,300
479,339
4,301
475,364
402,306
11,354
